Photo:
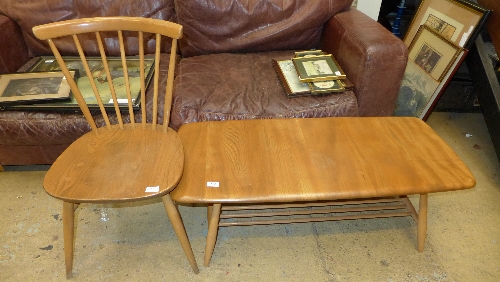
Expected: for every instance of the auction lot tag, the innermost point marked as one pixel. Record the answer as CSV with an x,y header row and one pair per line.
x,y
153,189
212,184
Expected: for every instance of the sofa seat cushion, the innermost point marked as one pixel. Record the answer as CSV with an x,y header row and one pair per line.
x,y
245,86
41,128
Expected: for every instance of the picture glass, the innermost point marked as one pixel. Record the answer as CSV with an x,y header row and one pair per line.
x,y
416,91
34,86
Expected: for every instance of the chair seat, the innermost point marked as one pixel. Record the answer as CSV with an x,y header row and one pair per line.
x,y
124,160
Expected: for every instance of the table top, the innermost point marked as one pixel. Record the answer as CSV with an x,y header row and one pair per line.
x,y
310,159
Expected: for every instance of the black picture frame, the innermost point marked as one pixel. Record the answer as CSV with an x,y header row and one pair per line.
x,y
34,88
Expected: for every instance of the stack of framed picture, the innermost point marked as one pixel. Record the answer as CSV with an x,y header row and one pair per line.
x,y
30,90
311,72
438,39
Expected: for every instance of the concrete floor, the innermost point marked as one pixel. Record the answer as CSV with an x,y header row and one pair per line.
x,y
138,242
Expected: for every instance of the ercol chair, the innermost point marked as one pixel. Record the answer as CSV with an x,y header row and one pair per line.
x,y
120,159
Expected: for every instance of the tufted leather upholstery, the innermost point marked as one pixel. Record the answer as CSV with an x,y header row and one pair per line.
x,y
253,26
28,14
244,86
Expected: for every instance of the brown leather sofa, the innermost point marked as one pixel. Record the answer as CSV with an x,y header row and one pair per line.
x,y
224,71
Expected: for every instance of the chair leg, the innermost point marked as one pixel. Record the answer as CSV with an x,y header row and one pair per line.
x,y
209,213
68,230
213,227
422,222
175,219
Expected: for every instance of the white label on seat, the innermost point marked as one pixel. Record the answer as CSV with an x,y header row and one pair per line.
x,y
153,189
212,184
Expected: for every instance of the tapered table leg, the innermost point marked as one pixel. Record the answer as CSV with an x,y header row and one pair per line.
x,y
213,227
422,222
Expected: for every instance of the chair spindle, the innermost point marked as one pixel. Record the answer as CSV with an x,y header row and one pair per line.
x,y
126,78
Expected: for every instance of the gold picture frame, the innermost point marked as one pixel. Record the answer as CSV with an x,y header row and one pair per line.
x,y
318,68
294,88
432,52
289,79
325,87
299,54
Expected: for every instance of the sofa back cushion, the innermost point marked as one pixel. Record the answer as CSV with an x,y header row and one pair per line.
x,y
217,26
29,13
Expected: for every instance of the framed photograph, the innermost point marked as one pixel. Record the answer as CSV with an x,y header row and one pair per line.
x,y
294,88
30,88
289,79
456,20
48,64
325,87
308,53
317,68
426,112
432,52
416,91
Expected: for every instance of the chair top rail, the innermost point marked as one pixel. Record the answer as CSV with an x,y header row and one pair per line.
x,y
86,25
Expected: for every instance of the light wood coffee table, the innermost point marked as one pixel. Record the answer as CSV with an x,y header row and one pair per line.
x,y
302,170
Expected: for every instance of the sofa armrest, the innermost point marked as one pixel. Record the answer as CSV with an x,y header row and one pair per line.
x,y
371,56
13,50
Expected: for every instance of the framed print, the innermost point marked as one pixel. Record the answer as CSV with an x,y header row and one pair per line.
x,y
432,52
457,20
29,88
294,88
426,112
325,87
309,53
289,78
99,76
416,91
317,68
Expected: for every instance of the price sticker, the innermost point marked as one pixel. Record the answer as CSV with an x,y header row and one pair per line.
x,y
153,189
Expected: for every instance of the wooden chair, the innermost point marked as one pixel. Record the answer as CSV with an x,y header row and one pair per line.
x,y
125,160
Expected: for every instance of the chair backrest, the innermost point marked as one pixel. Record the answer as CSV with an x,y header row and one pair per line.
x,y
115,27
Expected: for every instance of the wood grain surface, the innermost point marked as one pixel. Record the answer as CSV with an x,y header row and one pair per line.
x,y
287,160
117,165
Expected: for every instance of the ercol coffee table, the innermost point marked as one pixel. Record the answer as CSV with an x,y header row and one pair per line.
x,y
308,170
